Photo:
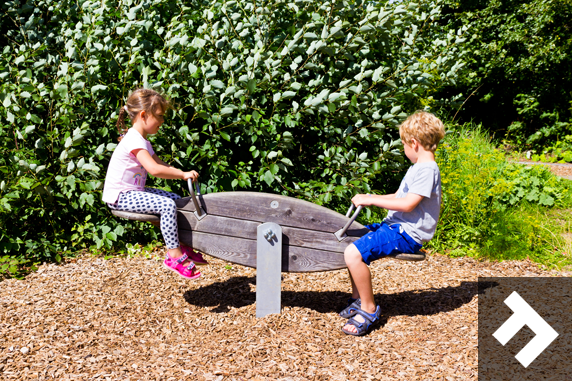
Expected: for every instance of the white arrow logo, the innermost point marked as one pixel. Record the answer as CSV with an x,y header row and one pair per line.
x,y
525,315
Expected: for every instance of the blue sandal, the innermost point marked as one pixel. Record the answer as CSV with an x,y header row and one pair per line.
x,y
351,309
363,328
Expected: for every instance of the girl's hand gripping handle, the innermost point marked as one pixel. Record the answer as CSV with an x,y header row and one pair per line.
x,y
191,175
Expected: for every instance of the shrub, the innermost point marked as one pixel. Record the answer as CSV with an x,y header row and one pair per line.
x,y
491,208
559,151
293,97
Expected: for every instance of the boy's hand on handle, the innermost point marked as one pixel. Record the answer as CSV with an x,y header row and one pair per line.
x,y
362,199
193,175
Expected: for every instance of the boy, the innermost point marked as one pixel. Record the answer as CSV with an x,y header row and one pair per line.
x,y
411,219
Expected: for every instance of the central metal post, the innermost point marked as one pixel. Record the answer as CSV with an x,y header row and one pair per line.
x,y
268,268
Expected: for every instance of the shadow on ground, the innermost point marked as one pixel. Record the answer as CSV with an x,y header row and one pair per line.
x,y
235,292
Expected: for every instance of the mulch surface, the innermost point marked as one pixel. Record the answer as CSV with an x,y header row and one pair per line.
x,y
130,319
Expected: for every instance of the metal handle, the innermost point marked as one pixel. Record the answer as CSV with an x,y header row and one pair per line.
x,y
352,206
340,233
194,197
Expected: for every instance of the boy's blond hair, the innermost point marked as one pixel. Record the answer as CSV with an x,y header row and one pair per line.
x,y
425,127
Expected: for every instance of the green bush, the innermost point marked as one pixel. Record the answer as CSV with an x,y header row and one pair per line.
x,y
293,97
519,81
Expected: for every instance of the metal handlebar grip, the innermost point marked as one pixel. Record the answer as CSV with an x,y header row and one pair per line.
x,y
194,197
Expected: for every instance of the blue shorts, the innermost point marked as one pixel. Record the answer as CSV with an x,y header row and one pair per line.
x,y
383,240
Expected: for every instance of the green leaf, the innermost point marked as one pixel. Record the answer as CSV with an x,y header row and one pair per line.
x,y
367,28
395,110
296,86
336,96
225,136
7,101
274,168
546,200
251,85
97,88
217,84
227,110
100,149
268,177
310,36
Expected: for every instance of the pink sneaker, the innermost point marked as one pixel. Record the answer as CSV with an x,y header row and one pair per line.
x,y
176,265
194,256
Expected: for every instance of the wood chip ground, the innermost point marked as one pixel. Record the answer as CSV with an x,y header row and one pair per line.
x,y
130,319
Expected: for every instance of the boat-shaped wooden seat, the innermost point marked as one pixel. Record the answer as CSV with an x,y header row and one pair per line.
x,y
224,225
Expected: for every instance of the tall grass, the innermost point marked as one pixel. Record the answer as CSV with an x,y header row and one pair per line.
x,y
495,209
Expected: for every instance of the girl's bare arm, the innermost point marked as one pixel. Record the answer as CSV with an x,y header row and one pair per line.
x,y
157,168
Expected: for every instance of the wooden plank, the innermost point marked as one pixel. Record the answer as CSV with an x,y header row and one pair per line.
x,y
224,226
415,257
152,218
299,259
243,252
136,216
265,207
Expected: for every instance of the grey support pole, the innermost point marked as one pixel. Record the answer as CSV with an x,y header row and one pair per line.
x,y
268,268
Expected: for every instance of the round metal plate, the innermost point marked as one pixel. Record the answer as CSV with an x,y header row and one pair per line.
x,y
274,204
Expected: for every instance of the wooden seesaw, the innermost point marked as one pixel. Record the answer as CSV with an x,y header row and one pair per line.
x,y
272,233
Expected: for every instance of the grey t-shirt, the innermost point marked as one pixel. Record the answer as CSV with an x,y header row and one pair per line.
x,y
423,179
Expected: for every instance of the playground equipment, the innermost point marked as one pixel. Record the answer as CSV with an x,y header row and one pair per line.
x,y
272,233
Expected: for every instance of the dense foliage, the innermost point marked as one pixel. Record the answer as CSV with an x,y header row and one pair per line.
x,y
490,206
295,97
519,57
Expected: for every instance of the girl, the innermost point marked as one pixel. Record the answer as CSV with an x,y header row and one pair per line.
x,y
132,159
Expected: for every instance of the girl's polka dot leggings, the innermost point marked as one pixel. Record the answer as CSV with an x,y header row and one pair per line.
x,y
153,201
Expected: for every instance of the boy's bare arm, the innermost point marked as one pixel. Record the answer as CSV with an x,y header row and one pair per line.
x,y
405,204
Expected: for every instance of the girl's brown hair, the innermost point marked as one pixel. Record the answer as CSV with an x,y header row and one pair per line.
x,y
141,100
